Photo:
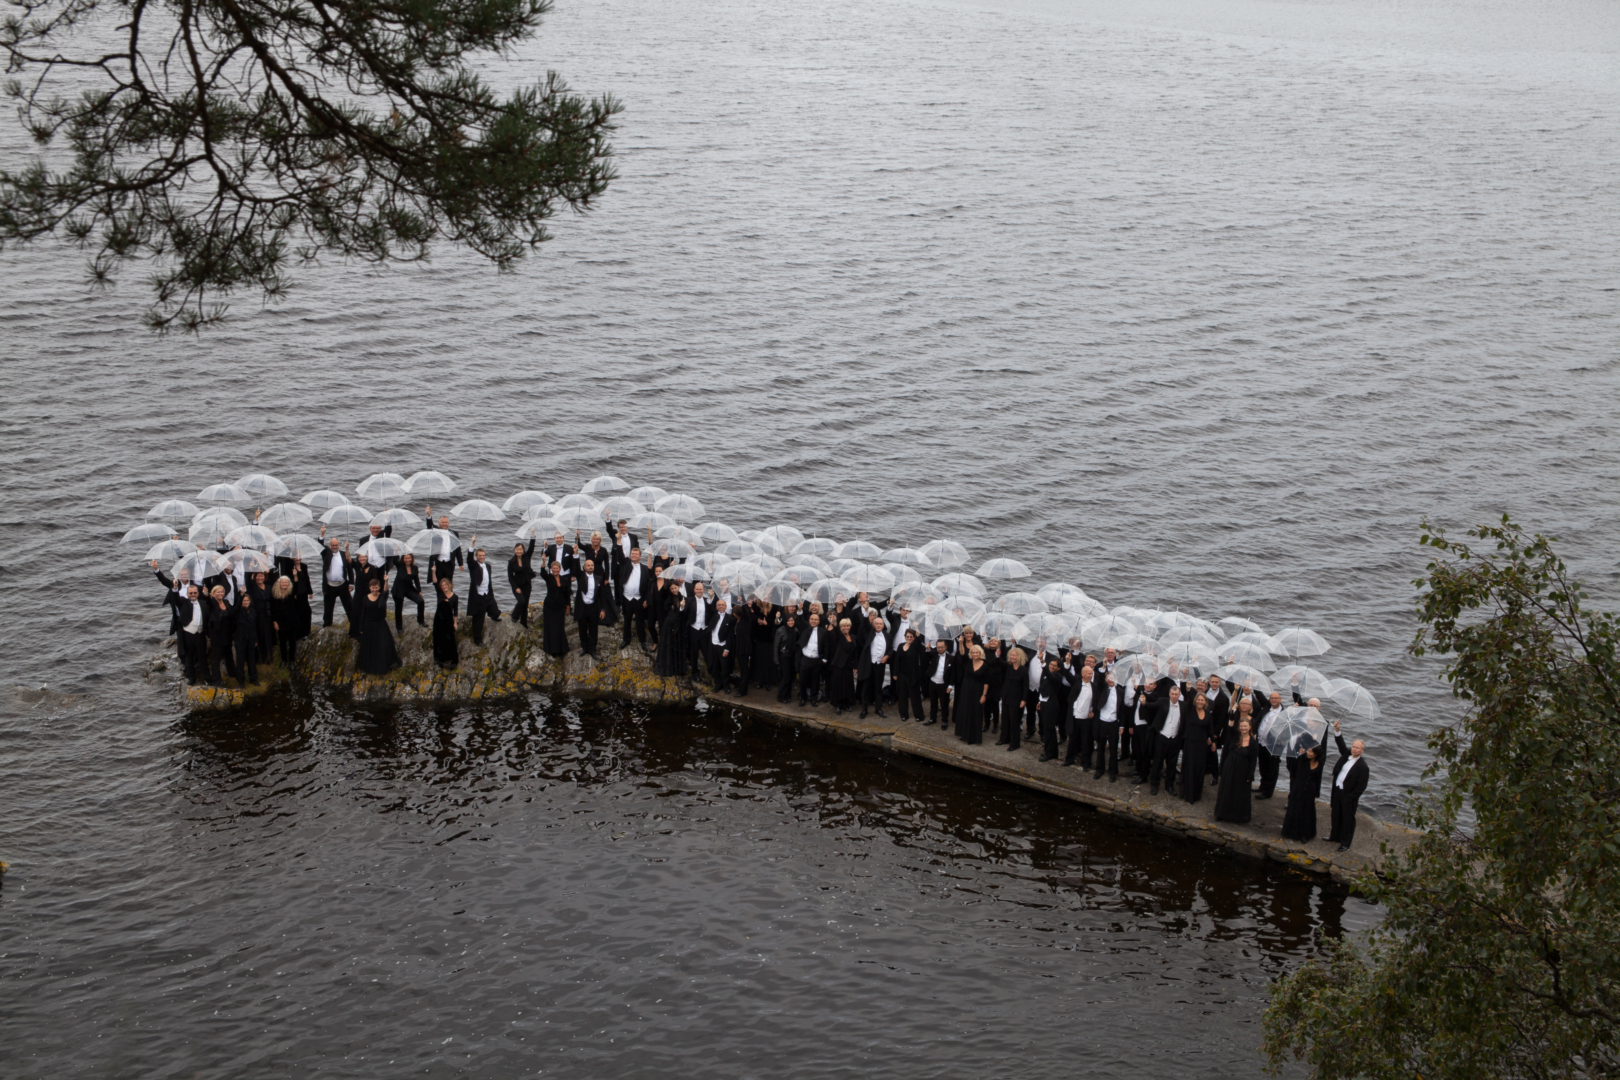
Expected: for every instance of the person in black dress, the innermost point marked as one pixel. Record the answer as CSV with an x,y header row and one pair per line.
x,y
407,589
376,654
1232,801
220,626
1304,785
970,696
995,674
1014,689
844,648
520,575
669,659
259,588
555,610
1194,748
445,653
246,639
289,615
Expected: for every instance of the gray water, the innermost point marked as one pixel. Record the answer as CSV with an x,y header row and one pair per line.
x,y
1192,304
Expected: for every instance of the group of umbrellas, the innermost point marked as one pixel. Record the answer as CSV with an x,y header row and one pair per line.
x,y
780,565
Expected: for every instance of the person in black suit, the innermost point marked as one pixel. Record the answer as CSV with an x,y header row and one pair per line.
x,y
221,629
871,661
562,553
1270,764
520,576
407,589
1222,716
337,576
908,663
1349,781
1082,720
787,650
814,651
1052,699
442,563
939,675
698,623
592,603
1165,731
634,587
719,639
190,634
626,548
1110,715
364,574
481,595
600,554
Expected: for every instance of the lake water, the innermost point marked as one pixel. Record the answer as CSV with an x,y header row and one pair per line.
x,y
1201,305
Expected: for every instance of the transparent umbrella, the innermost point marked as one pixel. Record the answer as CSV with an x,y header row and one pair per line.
x,y
224,495
199,564
427,484
716,533
568,502
1004,569
819,546
869,579
1353,698
1192,655
917,596
1178,634
859,549
386,489
262,487
840,566
615,507
1250,637
1242,652
577,518
429,542
680,507
297,546
538,511
1307,682
324,499
538,529
251,536
768,544
1096,633
1290,731
1034,629
1297,641
1084,606
285,517
178,509
1234,625
148,533
348,514
781,593
905,557
651,520
524,501
222,513
398,516
166,551
379,548
1134,643
959,584
811,561
1022,603
828,591
945,554
767,563
477,510
737,549
209,531
671,548
603,485
1138,670
786,535
647,494
1246,676
998,625
1055,592
251,562
680,532
903,574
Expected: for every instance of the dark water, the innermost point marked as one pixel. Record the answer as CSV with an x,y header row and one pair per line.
x,y
1194,304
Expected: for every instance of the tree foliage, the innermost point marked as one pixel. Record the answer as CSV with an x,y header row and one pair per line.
x,y
1500,950
227,139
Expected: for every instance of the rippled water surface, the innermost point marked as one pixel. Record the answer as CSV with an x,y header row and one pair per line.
x,y
1196,304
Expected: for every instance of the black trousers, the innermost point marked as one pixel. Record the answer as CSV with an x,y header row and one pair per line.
x,y
809,682
478,606
784,692
399,610
289,649
939,702
908,697
1082,735
1107,749
1051,724
247,659
1012,727
1032,715
1269,766
1343,827
520,607
1142,743
334,594
1165,754
992,709
193,650
635,611
590,627
868,691
219,652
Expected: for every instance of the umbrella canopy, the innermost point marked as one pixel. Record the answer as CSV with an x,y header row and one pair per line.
x,y
251,536
210,530
1054,592
1177,634
1242,652
680,507
523,500
786,535
224,495
146,534
939,621
737,549
477,510
811,561
1096,633
916,596
839,566
379,548
348,514
538,511
251,562
818,546
1250,637
647,494
397,516
620,506
781,593
603,485
1084,606
828,590
1297,641
1245,675
651,520
868,579
178,509
679,532
297,546
285,517
388,489
590,502
324,499
1190,654
1353,698
427,482
223,513
262,486
577,518
1290,731
767,563
769,545
903,574
1234,625
687,572
1307,682
538,529
166,551
1134,643
1022,603
1032,630
1137,670
905,557
1004,569
430,541
716,533
945,554
671,548
999,625
199,564
859,549
959,584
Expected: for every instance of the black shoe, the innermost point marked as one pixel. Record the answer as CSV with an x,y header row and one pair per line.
x,y
863,715
1113,779
1262,796
1065,764
880,713
1097,775
1047,757
1154,790
1343,847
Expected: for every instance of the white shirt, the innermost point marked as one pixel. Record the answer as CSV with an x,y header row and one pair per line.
x,y
1109,713
1082,704
1036,666
590,588
624,545
878,649
1344,771
701,619
334,570
715,637
812,648
483,586
446,547
939,670
632,584
1172,721
195,625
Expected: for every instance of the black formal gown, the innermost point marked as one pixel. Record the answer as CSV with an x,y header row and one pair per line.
x,y
1304,785
1194,752
376,654
969,712
1014,690
1232,798
444,630
554,615
670,659
842,691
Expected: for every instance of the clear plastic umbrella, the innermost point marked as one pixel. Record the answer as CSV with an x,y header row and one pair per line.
x,y
998,625
811,561
864,550
251,536
1234,625
1022,603
178,509
262,487
324,499
166,551
1096,633
737,549
1250,637
680,507
1034,629
538,511
647,494
651,520
840,566
1297,641
671,548
615,507
781,593
1290,731
251,561
521,502
786,535
1307,682
379,548
1134,643
427,483
1178,634
945,554
959,584
224,495
199,564
209,531
1137,670
819,546
150,532
429,542
386,489
1247,676
348,514
767,563
1085,607
768,544
397,516
1353,698
828,591
916,596
285,517
715,533
680,532
577,518
1190,654
568,502
1243,652
869,579
603,485
538,529
297,546
1003,570
1055,592
905,557
903,574
477,510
